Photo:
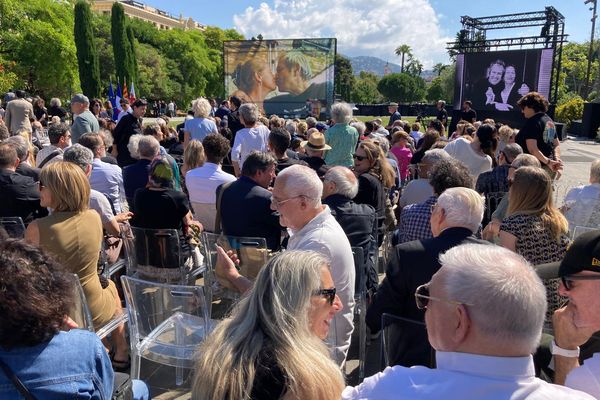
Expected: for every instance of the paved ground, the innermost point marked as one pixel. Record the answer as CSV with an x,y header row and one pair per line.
x,y
577,156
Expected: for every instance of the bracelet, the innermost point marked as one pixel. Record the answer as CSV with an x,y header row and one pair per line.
x,y
559,351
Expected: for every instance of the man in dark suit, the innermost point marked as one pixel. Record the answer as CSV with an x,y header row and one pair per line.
x,y
135,176
19,195
22,148
130,124
455,217
245,204
358,221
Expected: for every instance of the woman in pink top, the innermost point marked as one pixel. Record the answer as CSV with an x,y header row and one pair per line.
x,y
402,152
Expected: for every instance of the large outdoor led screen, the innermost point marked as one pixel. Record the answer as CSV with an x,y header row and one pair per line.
x,y
495,81
288,77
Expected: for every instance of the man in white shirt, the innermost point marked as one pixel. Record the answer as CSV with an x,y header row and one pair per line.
x,y
484,313
575,323
582,204
202,182
297,197
60,139
105,178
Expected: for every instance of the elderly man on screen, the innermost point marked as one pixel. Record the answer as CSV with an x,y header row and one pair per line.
x,y
484,311
297,197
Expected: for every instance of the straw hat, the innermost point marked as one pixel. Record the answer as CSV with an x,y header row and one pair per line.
x,y
316,141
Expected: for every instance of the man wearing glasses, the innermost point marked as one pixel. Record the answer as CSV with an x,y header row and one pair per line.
x,y
484,311
456,215
575,323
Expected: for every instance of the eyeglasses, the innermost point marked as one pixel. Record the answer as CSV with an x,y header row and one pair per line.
x,y
278,203
567,281
329,294
359,158
433,207
422,298
40,185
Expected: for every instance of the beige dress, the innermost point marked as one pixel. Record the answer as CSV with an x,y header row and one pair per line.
x,y
75,239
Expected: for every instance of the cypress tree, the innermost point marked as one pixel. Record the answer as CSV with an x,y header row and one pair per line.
x,y
87,56
132,62
121,47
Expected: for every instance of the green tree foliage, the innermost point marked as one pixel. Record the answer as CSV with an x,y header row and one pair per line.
x,y
120,43
365,89
570,111
414,66
37,47
403,50
435,91
438,68
402,87
87,56
344,78
214,38
132,62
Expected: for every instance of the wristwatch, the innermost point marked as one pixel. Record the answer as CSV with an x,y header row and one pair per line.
x,y
559,351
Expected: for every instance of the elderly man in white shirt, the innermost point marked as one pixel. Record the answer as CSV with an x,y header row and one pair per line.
x,y
202,182
297,196
582,204
485,310
254,136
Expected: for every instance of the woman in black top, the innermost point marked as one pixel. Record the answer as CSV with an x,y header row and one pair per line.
x,y
159,205
538,135
271,347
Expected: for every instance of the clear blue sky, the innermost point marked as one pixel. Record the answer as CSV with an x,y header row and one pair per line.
x,y
410,18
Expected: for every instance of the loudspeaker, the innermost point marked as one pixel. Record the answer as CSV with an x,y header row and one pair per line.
x,y
591,119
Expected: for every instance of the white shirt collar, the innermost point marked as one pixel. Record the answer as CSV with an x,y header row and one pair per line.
x,y
475,364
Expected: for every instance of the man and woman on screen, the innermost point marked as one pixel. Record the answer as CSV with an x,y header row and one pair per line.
x,y
499,89
255,81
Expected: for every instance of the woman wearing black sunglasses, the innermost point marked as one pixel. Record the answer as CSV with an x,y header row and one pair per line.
x,y
271,347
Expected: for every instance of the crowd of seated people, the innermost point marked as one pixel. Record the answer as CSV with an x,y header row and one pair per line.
x,y
316,190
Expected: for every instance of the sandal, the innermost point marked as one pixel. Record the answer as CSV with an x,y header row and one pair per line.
x,y
120,365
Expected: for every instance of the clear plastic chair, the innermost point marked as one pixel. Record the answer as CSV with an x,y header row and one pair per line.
x,y
252,253
579,230
80,313
360,309
166,323
157,255
14,226
492,200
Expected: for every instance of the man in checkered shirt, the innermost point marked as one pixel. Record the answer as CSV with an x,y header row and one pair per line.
x,y
414,220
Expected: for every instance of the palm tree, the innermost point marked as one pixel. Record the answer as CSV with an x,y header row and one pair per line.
x,y
402,51
439,67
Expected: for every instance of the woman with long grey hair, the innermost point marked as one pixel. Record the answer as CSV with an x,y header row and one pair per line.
x,y
271,347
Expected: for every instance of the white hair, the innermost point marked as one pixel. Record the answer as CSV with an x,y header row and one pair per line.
x,y
359,126
508,298
341,113
344,184
132,146
201,107
148,147
311,122
462,207
290,126
249,113
433,156
55,102
595,171
299,180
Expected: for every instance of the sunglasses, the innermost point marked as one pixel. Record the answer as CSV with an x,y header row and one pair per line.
x,y
567,281
329,294
422,298
359,158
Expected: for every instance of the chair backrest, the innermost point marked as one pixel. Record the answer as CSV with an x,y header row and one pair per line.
x,y
149,304
80,312
251,251
579,230
14,226
361,270
157,248
492,199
